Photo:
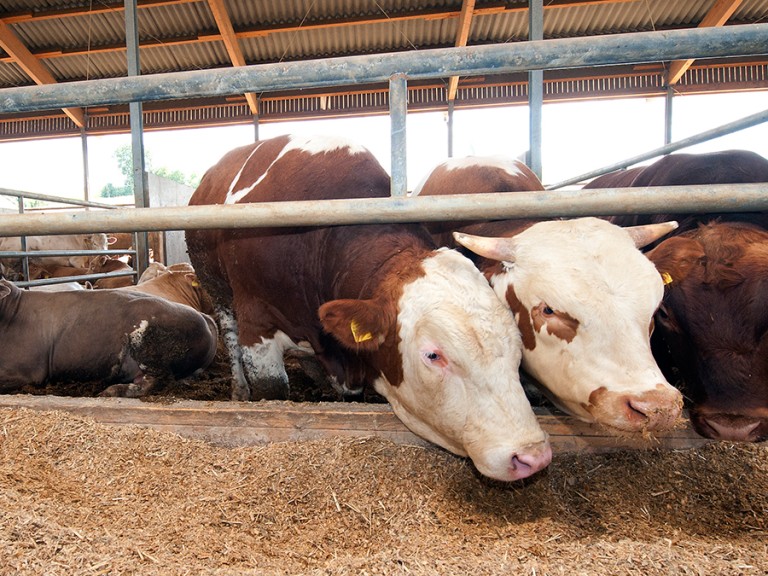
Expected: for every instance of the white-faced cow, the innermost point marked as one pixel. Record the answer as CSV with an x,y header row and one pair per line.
x,y
127,341
582,294
379,304
712,327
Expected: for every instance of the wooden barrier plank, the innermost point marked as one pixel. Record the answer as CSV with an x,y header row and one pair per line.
x,y
249,423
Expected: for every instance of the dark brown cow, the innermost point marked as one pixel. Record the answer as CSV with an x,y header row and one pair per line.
x,y
379,305
714,322
711,327
581,292
618,179
725,167
127,341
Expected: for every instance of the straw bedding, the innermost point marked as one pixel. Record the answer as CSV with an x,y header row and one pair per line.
x,y
78,497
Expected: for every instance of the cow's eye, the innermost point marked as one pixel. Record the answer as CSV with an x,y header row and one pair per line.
x,y
547,311
432,356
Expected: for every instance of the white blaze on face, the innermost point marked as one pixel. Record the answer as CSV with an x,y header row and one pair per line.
x,y
461,388
590,295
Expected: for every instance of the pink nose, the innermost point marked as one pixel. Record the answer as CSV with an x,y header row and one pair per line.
x,y
529,460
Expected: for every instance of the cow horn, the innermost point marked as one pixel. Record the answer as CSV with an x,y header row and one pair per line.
x,y
502,249
644,235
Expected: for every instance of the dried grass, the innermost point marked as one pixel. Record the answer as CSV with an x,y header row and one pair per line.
x,y
77,497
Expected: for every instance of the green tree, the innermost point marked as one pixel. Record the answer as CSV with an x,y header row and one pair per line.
x,y
124,156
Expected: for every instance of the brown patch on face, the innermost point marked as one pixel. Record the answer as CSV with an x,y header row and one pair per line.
x,y
559,324
523,319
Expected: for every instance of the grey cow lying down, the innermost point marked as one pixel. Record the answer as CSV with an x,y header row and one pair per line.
x,y
127,342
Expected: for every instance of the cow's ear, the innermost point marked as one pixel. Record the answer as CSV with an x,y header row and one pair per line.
x,y
676,257
5,289
356,324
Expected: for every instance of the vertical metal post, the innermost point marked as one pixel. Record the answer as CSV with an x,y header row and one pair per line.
x,y
23,243
668,115
398,108
256,120
450,129
535,88
140,184
86,175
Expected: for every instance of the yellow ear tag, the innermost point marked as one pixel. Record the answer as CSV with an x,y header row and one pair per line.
x,y
356,334
666,278
195,283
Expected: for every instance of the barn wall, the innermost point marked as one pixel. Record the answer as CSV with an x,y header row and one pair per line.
x,y
164,192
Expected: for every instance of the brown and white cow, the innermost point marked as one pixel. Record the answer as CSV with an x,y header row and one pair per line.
x,y
711,327
129,342
582,294
177,284
72,242
109,265
379,305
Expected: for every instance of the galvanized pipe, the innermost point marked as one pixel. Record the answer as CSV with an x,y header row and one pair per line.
x,y
398,109
58,199
679,199
63,280
585,52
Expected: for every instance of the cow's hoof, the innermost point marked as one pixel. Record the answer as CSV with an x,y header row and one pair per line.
x,y
122,391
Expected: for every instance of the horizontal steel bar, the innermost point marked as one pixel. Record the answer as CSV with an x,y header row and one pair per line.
x,y
638,47
57,199
62,280
605,201
51,253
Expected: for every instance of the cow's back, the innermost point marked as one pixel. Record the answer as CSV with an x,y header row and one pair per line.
x,y
279,169
722,167
477,175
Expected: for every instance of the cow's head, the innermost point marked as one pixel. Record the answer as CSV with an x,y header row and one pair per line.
x,y
713,322
583,296
448,356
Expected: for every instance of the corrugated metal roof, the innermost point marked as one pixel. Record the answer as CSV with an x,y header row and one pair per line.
x,y
80,39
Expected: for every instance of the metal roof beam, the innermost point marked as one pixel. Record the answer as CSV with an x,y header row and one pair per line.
x,y
717,16
228,36
488,8
33,67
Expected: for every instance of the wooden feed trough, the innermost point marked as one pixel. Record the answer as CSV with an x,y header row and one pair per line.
x,y
249,423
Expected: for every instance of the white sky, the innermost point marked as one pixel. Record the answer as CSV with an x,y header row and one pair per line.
x,y
577,137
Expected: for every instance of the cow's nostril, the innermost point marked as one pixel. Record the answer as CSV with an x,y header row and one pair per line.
x,y
636,412
519,464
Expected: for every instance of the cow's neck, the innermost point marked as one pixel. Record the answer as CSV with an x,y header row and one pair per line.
x,y
381,266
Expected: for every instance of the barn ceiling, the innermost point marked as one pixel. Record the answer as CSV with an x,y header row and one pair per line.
x,y
52,41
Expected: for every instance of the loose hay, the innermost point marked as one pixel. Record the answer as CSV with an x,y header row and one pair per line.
x,y
77,497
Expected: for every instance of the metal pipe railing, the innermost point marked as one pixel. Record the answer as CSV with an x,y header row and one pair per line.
x,y
605,201
57,199
584,52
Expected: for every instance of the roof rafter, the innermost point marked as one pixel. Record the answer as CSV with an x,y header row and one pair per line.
x,y
462,35
718,15
35,69
228,36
